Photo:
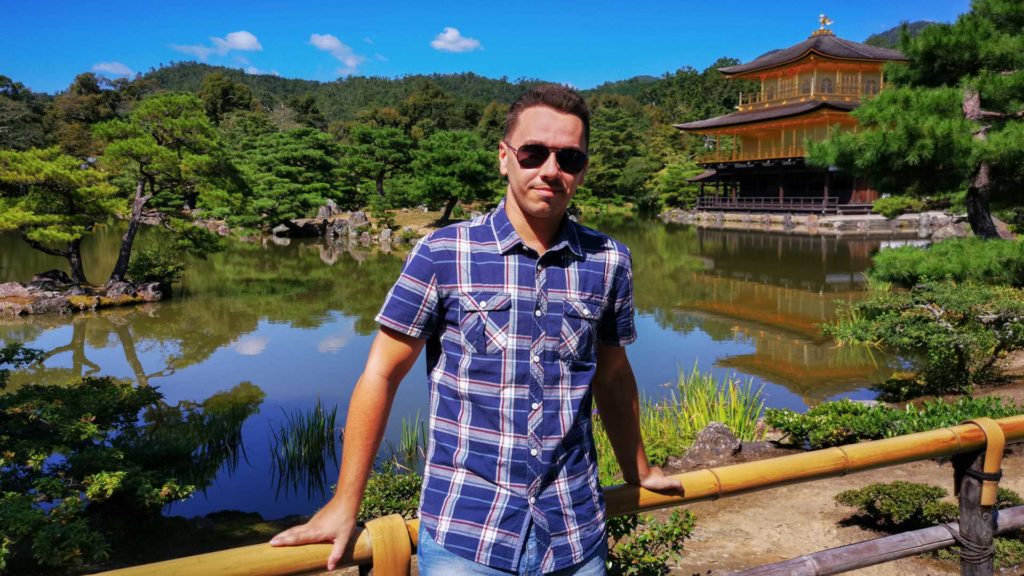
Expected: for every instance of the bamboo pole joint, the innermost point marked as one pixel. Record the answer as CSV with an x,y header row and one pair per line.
x,y
995,442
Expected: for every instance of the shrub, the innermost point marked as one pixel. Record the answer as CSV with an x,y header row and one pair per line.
x,y
391,490
153,265
85,466
958,331
901,506
845,421
894,206
644,546
959,259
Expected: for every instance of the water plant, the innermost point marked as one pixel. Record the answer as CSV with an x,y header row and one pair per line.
x,y
302,448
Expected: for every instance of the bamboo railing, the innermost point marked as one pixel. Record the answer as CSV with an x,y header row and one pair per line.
x,y
707,484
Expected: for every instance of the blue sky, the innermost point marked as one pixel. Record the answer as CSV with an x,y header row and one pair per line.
x,y
45,44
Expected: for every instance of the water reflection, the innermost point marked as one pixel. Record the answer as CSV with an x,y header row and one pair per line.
x,y
296,321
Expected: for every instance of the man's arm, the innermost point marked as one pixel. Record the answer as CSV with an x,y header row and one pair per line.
x,y
619,405
391,356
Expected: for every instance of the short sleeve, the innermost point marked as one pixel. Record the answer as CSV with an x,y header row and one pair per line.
x,y
411,306
617,327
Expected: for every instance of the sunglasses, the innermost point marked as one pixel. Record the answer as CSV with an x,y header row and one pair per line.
x,y
570,160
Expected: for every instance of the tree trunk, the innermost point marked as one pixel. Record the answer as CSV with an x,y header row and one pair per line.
x,y
74,256
448,209
380,185
979,189
125,254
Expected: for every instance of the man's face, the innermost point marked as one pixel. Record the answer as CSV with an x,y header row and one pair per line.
x,y
544,192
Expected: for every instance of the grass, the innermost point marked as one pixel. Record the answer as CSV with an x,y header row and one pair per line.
x,y
301,450
670,426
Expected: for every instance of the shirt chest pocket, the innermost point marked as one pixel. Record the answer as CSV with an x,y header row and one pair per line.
x,y
579,329
484,319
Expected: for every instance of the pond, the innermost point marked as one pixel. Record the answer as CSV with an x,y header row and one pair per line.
x,y
296,321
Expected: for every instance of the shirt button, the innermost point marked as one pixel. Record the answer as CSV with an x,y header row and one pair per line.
x,y
536,359
533,500
533,451
484,304
539,267
586,312
538,313
535,405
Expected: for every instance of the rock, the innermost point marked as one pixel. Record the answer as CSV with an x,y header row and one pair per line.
x,y
306,228
280,240
9,289
385,236
150,292
55,275
116,289
55,304
365,239
1003,229
279,230
338,228
328,210
44,287
475,214
955,230
787,222
358,220
716,445
9,308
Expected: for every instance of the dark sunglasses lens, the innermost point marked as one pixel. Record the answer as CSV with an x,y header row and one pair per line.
x,y
532,155
571,161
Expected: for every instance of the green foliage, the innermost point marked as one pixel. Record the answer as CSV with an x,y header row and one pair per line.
x,y
376,153
86,102
21,116
302,448
957,330
80,466
53,200
15,355
152,265
902,506
673,187
221,95
452,167
893,206
847,422
956,259
391,490
645,546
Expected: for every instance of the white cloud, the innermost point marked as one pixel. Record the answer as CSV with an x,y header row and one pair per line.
x,y
451,40
333,343
259,72
341,52
112,68
251,345
241,41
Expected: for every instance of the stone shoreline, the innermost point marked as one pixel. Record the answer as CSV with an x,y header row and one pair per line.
x,y
930,225
53,292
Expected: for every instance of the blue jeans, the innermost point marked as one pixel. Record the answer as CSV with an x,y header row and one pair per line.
x,y
433,560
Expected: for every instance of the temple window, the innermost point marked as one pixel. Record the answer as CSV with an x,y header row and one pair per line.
x,y
827,86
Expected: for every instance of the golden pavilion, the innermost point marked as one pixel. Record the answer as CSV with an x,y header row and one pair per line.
x,y
755,157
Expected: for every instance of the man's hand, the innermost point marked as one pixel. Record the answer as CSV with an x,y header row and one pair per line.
x,y
656,481
327,525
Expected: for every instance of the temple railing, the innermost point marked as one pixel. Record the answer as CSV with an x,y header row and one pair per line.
x,y
976,447
739,155
768,204
790,95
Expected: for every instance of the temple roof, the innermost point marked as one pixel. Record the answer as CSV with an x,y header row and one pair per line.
x,y
773,113
824,44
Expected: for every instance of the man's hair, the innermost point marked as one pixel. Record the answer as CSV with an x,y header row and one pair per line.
x,y
556,96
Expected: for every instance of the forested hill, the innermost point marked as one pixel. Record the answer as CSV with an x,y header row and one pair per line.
x,y
342,99
891,37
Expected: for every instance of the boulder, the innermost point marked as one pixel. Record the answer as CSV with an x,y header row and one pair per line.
x,y
1003,229
9,308
716,445
365,239
385,236
358,220
150,292
54,304
306,228
115,289
55,275
338,228
328,210
954,230
13,289
279,230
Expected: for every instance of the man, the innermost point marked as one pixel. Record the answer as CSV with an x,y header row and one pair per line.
x,y
524,314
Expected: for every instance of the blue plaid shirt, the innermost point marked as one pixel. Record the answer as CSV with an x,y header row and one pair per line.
x,y
511,352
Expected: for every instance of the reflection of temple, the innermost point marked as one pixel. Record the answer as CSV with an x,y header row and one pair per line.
x,y
756,155
817,263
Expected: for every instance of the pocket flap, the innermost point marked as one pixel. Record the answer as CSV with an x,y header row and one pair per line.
x,y
485,301
582,309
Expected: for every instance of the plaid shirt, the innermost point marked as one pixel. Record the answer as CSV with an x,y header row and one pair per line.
x,y
511,352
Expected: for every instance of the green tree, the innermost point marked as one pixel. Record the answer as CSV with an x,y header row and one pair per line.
x,y
53,200
307,112
953,125
452,166
21,116
88,101
288,175
163,153
428,108
376,153
221,95
617,125
491,127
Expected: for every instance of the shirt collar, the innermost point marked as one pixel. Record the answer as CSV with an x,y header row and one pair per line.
x,y
507,237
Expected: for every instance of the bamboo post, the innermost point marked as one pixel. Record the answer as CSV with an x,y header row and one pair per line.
x,y
389,541
976,477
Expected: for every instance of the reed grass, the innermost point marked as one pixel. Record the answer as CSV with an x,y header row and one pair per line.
x,y
669,426
302,448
